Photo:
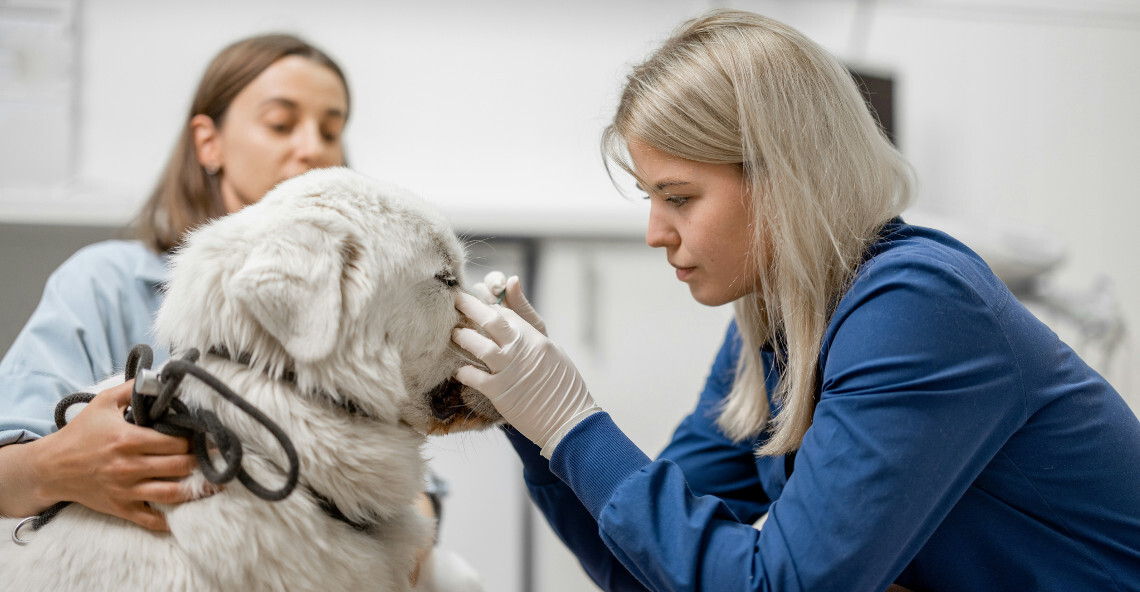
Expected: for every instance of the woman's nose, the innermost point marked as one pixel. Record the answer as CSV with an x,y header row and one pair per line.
x,y
313,148
660,232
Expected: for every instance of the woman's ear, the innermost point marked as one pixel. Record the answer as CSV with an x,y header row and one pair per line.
x,y
207,142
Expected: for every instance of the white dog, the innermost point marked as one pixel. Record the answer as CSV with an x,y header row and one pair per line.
x,y
335,295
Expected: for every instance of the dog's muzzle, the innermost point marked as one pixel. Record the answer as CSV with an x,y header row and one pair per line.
x,y
447,400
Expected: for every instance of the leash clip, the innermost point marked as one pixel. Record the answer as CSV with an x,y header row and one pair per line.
x,y
147,382
16,531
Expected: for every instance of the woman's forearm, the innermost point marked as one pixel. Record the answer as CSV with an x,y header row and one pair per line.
x,y
20,489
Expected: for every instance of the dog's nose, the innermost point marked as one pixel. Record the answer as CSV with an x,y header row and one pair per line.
x,y
446,400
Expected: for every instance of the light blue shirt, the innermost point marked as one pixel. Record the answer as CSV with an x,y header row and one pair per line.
x,y
95,307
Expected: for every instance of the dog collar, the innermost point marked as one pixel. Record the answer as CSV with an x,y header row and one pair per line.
x,y
327,505
290,376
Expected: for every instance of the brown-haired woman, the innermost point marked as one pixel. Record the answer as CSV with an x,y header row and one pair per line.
x,y
267,108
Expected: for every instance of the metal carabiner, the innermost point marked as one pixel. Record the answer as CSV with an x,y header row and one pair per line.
x,y
16,531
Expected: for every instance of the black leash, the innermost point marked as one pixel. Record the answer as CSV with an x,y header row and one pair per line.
x,y
154,404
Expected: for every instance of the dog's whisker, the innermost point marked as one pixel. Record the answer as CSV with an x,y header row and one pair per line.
x,y
468,242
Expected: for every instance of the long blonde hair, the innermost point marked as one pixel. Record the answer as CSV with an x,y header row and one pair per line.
x,y
737,87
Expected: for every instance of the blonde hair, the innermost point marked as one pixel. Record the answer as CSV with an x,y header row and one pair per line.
x,y
736,87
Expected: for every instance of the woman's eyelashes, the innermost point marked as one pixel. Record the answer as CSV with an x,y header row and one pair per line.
x,y
281,128
675,200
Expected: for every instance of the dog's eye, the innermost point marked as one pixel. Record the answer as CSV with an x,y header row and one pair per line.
x,y
447,278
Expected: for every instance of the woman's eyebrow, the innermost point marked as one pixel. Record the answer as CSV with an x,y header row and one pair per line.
x,y
664,184
291,104
670,183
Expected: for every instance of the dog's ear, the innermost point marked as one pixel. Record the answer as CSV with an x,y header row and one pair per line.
x,y
291,283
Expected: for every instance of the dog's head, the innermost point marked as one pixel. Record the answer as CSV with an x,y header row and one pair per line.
x,y
342,282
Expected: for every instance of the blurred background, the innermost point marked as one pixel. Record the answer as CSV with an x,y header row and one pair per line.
x,y
1019,116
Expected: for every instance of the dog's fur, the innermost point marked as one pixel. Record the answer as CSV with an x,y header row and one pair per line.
x,y
349,284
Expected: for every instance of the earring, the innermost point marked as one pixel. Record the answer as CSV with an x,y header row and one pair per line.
x,y
211,169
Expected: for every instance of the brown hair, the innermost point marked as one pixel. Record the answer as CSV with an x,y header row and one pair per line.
x,y
186,195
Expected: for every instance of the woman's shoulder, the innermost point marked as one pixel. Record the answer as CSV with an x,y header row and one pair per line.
x,y
115,250
917,281
922,306
926,258
113,258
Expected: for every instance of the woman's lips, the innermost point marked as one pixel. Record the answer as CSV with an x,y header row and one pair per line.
x,y
683,273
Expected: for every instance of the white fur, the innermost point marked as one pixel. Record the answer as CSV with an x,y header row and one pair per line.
x,y
336,277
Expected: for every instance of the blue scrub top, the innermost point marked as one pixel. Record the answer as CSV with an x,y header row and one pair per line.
x,y
957,444
95,307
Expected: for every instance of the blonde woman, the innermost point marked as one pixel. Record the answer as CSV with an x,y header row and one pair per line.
x,y
881,399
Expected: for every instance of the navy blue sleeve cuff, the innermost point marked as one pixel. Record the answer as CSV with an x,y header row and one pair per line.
x,y
536,469
594,459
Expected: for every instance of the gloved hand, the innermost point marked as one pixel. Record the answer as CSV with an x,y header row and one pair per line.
x,y
532,382
496,288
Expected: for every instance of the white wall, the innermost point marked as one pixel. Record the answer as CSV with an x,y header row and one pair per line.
x,y
491,104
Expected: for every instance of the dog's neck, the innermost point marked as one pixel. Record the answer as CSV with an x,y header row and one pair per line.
x,y
289,374
345,404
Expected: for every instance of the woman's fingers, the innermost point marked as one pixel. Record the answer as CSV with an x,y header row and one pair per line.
x,y
474,308
483,293
517,302
167,466
118,395
472,377
470,340
145,516
153,442
163,492
486,317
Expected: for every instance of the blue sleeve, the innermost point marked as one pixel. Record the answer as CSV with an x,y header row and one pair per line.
x,y
92,311
918,393
714,465
569,520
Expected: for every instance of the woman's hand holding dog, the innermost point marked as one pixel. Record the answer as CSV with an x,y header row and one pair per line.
x,y
532,382
101,461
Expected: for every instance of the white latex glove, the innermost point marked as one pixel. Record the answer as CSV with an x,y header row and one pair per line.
x,y
496,288
532,382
